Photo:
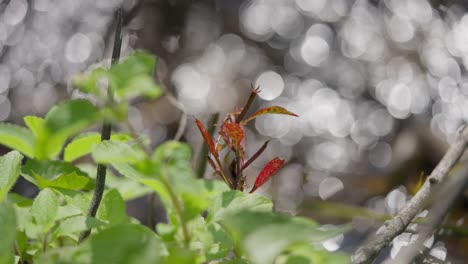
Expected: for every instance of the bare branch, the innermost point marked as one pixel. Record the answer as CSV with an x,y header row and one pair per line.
x,y
447,195
396,225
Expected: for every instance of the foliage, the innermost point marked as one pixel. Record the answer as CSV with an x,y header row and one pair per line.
x,y
232,132
206,220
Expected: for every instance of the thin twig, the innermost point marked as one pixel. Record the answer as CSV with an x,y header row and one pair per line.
x,y
181,128
106,128
396,225
201,166
445,200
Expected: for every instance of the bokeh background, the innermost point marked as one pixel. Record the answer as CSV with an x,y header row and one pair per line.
x,y
381,88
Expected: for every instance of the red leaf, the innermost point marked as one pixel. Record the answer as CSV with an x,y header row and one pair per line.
x,y
267,172
270,110
207,137
235,134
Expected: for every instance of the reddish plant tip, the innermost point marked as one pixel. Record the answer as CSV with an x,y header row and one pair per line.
x,y
267,172
235,134
207,137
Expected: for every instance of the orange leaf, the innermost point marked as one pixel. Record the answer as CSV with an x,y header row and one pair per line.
x,y
235,133
207,137
267,172
270,110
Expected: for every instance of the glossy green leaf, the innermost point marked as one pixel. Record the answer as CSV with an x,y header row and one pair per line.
x,y
10,164
44,209
83,144
112,208
8,230
110,151
18,138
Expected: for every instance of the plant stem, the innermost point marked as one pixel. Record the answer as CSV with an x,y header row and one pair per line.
x,y
201,166
151,212
177,206
106,128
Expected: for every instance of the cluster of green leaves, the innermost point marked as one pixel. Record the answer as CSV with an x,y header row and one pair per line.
x,y
206,220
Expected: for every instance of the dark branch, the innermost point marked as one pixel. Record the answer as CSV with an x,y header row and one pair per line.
x,y
106,128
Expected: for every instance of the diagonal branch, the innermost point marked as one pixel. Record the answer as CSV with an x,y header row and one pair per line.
x,y
447,196
396,225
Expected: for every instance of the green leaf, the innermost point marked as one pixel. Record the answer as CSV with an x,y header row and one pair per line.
x,y
62,122
181,255
21,243
129,244
19,200
17,137
9,171
210,239
112,208
67,211
263,236
71,117
83,144
128,188
115,113
71,181
87,82
8,227
109,151
142,85
160,189
72,226
307,253
35,124
57,174
172,152
231,202
133,77
128,171
44,209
